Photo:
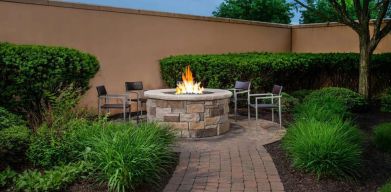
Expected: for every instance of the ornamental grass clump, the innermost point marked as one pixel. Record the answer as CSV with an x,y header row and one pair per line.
x,y
323,140
126,156
324,148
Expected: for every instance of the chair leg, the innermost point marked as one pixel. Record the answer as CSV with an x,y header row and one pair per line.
x,y
256,114
124,111
279,115
236,108
248,111
99,107
273,115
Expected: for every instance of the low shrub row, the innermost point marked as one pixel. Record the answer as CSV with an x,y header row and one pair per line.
x,y
293,70
323,140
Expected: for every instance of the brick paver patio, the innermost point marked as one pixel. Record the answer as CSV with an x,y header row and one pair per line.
x,y
236,161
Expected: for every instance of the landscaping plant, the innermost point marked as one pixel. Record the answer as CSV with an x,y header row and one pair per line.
x,y
385,100
127,156
55,179
382,137
352,100
31,74
14,138
294,71
386,187
324,148
322,140
7,178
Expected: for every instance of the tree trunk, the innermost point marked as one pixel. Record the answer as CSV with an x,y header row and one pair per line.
x,y
365,56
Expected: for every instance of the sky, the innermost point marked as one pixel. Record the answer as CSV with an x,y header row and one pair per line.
x,y
192,7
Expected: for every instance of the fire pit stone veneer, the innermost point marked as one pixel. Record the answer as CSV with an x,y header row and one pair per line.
x,y
192,115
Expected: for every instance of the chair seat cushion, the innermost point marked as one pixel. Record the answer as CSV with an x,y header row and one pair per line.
x,y
265,105
117,106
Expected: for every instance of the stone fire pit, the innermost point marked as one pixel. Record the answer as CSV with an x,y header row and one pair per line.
x,y
193,115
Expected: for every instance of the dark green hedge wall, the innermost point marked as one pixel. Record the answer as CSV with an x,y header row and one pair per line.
x,y
293,70
31,74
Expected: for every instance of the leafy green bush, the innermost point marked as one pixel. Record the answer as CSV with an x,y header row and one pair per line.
x,y
382,137
352,100
52,180
13,143
288,102
325,148
14,137
7,178
293,70
49,147
7,119
385,100
30,74
386,187
301,94
126,156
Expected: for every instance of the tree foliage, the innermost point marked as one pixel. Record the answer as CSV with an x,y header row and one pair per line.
x,y
275,11
322,11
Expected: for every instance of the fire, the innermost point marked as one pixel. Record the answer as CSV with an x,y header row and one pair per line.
x,y
188,86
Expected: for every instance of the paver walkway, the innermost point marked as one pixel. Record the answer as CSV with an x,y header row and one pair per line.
x,y
236,161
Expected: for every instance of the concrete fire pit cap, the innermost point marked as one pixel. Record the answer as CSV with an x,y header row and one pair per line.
x,y
169,94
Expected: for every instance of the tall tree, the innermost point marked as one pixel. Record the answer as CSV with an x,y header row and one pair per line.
x,y
275,11
368,41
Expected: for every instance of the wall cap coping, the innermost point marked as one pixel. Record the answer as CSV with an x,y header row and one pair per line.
x,y
59,3
163,94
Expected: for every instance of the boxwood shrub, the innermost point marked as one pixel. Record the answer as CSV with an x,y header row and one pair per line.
x,y
385,100
30,74
382,137
293,70
350,99
14,137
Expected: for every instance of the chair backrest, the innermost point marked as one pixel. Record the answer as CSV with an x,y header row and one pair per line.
x,y
245,85
131,86
101,90
277,89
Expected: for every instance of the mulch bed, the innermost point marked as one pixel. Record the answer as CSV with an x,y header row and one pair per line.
x,y
375,172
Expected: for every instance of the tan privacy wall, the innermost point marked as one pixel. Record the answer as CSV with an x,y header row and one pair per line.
x,y
334,37
129,43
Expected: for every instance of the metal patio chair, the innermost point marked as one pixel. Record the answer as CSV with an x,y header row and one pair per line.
x,y
275,94
102,95
241,87
137,88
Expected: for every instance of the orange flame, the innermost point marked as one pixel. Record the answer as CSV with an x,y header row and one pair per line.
x,y
188,86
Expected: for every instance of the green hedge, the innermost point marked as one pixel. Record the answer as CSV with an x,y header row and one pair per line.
x,y
31,74
293,70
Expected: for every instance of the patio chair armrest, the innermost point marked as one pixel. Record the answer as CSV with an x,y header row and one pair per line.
x,y
271,97
261,94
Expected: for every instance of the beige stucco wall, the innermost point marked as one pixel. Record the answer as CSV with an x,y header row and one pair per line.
x,y
129,43
323,38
